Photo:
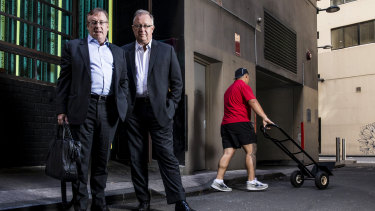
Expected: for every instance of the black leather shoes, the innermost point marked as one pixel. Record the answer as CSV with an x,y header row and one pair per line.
x,y
99,208
144,206
183,206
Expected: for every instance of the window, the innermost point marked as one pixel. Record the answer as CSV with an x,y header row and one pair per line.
x,y
337,38
338,2
353,35
33,33
367,31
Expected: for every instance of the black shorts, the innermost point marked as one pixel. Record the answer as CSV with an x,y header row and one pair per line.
x,y
235,135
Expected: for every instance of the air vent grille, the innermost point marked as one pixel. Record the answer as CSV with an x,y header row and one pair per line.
x,y
280,43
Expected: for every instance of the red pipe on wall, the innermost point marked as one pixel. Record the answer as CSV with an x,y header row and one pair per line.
x,y
302,137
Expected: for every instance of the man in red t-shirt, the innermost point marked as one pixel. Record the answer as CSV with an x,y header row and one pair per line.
x,y
237,130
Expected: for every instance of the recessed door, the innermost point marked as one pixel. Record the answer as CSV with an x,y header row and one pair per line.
x,y
199,142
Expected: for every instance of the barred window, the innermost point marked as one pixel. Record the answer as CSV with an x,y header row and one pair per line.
x,y
33,33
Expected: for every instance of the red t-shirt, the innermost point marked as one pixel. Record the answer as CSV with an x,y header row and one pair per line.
x,y
236,106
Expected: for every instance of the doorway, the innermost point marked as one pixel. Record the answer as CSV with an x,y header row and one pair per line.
x,y
280,99
199,146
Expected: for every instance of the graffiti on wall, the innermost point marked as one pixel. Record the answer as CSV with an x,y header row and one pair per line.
x,y
367,140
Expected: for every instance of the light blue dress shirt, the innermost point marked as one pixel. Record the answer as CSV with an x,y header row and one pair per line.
x,y
101,65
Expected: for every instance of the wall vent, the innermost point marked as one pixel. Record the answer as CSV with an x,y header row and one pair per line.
x,y
280,43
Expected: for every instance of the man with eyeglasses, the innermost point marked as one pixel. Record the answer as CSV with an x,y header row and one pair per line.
x,y
155,85
91,95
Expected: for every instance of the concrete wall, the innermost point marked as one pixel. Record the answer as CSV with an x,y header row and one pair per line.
x,y
287,103
209,33
299,16
310,121
344,111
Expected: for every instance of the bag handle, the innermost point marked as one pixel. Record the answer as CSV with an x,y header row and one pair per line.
x,y
65,128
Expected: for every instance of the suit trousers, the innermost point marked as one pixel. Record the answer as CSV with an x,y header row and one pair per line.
x,y
96,135
139,123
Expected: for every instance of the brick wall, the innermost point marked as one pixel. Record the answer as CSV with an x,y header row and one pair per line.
x,y
27,121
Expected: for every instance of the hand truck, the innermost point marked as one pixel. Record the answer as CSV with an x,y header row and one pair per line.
x,y
318,173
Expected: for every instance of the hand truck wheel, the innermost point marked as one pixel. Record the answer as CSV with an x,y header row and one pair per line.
x,y
321,180
297,179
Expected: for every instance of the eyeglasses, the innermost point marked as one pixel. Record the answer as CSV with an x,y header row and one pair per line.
x,y
93,23
139,26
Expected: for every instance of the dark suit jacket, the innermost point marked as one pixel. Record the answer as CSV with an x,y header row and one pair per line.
x,y
164,81
74,84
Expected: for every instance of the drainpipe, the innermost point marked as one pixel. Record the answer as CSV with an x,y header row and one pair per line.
x,y
255,47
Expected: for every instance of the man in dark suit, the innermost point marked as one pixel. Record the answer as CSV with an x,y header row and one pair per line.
x,y
91,95
155,86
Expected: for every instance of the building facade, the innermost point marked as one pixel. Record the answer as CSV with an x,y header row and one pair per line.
x,y
275,40
347,77
269,38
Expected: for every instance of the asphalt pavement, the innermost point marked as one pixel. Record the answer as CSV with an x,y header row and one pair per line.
x,y
25,188
350,189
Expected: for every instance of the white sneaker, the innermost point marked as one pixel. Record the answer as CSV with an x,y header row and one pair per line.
x,y
220,186
256,185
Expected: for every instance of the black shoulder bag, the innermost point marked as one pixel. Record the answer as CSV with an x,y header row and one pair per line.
x,y
62,158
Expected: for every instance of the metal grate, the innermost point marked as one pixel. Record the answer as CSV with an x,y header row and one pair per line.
x,y
280,43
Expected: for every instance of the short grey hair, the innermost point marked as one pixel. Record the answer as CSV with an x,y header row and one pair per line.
x,y
96,11
143,12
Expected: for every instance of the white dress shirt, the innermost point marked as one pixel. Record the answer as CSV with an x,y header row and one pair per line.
x,y
101,65
142,60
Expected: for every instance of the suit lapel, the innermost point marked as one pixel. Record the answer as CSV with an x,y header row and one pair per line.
x,y
132,62
115,55
84,50
154,54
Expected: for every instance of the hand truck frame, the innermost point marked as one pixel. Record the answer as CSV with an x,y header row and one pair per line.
x,y
318,173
